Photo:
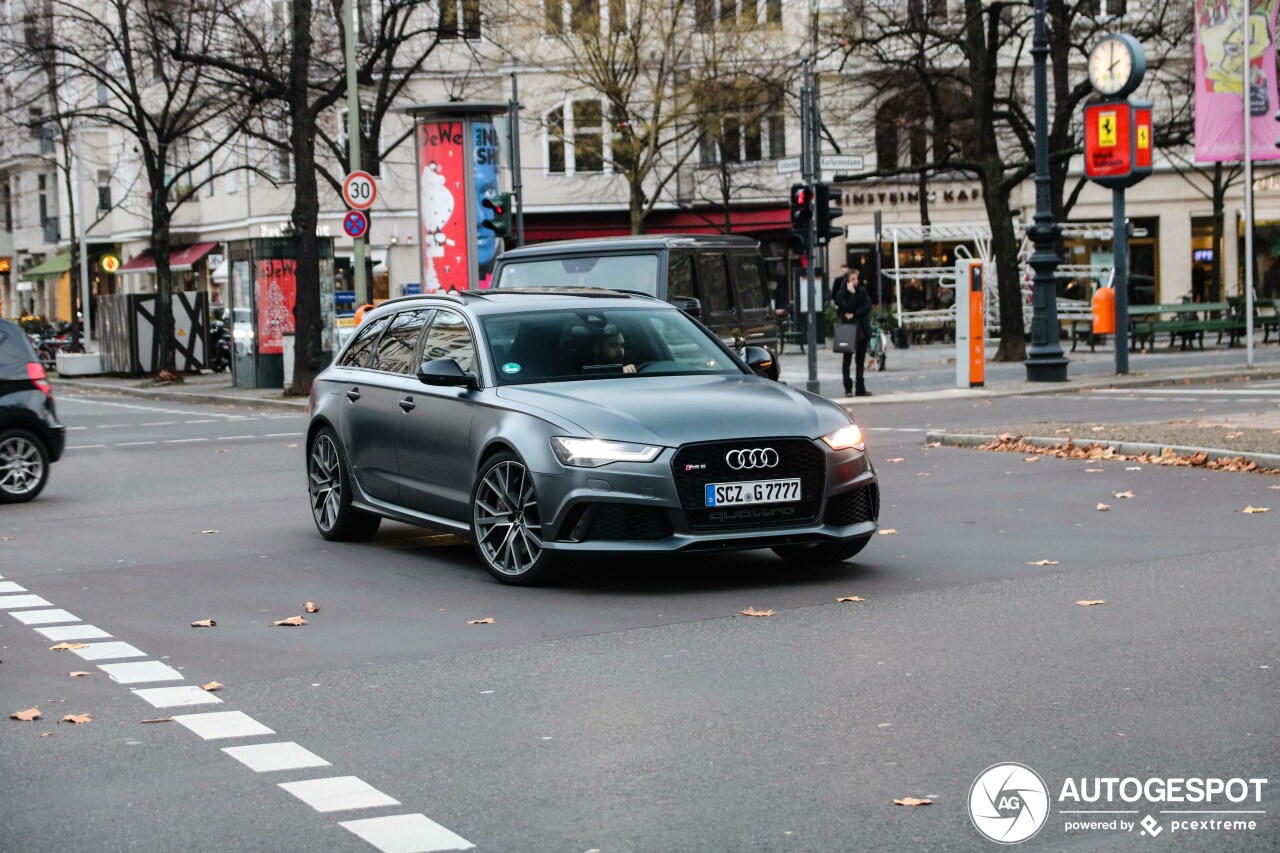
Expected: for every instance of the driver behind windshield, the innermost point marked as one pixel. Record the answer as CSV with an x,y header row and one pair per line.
x,y
611,348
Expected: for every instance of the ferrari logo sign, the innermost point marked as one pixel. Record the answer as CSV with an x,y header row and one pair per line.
x,y
1144,137
1117,142
1107,129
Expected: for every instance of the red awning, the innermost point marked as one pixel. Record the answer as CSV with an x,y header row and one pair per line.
x,y
540,227
181,258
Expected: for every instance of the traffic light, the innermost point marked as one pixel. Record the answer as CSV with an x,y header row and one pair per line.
x,y
828,212
499,219
801,215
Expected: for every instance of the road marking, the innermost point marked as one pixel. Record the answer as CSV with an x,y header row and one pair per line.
x,y
269,757
406,833
72,632
173,697
338,793
112,426
160,423
140,673
234,437
220,724
10,586
11,601
205,421
1183,392
86,447
73,429
44,617
283,434
184,440
898,429
134,443
106,651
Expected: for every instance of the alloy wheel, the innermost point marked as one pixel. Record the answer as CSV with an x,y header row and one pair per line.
x,y
508,527
325,472
21,466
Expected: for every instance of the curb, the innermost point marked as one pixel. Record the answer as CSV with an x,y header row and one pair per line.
x,y
1126,448
183,396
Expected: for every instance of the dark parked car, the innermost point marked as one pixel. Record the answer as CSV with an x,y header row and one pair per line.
x,y
31,438
718,279
543,423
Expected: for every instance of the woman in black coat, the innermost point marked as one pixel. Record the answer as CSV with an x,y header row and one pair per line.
x,y
853,305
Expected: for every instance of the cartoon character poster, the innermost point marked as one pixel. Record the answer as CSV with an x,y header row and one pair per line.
x,y
443,206
277,294
1220,73
484,144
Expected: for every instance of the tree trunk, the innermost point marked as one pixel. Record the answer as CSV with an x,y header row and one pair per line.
x,y
306,209
164,275
1004,248
637,206
1215,289
922,190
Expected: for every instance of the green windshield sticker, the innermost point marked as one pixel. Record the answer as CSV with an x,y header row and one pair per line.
x,y
510,367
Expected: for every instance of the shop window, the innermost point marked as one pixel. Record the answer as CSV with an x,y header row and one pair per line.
x,y
574,138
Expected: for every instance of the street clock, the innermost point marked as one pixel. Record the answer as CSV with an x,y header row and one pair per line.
x,y
1117,65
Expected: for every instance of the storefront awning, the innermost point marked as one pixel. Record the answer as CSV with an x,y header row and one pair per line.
x,y
52,268
181,258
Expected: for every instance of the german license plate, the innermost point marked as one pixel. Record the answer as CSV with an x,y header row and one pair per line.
x,y
753,492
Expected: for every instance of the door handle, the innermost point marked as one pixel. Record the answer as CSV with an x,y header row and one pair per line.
x,y
353,394
407,404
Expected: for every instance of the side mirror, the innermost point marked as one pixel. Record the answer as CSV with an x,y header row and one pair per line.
x,y
759,359
689,305
446,372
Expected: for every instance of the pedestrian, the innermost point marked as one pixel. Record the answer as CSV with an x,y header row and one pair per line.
x,y
853,307
838,284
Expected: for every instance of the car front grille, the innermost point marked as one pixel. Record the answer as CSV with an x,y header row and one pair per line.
x,y
853,507
612,522
696,465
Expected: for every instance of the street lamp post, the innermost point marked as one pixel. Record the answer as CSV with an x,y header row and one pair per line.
x,y
1045,360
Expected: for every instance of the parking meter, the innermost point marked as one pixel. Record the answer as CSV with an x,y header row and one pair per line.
x,y
970,312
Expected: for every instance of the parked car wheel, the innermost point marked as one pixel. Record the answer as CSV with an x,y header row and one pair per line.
x,y
506,527
24,466
822,553
330,486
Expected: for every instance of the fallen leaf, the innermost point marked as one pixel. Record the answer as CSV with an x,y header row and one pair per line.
x,y
1273,487
895,459
1234,434
934,444
1044,563
77,718
922,475
292,622
311,607
751,611
27,716
888,531
46,734
79,674
1252,509
1064,429
1096,428
1091,602
158,720
221,451
488,620
912,801
1122,494
205,532
291,445
1093,470
1101,507
204,623
1133,468
850,598
62,647
211,686
5,538
1031,459
1201,411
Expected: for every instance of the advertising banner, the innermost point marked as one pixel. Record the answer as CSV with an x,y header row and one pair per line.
x,y
1220,71
277,294
486,155
444,223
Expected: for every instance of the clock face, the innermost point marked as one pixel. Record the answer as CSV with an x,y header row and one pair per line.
x,y
1110,66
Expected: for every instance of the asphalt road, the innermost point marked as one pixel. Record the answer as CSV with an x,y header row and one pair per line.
x,y
629,709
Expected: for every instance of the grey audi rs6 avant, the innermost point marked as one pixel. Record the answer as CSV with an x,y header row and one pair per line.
x,y
543,423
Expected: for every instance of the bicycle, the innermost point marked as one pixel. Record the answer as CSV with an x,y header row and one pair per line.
x,y
876,346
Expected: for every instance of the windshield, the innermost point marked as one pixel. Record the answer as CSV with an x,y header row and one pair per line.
x,y
637,273
568,345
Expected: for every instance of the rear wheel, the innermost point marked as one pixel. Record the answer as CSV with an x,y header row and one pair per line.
x,y
822,553
24,466
506,524
880,363
329,485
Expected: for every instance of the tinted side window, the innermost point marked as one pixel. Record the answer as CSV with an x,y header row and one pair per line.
x,y
400,342
714,281
449,337
748,281
680,275
357,354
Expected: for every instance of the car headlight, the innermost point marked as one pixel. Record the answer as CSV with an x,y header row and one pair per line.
x,y
845,438
594,452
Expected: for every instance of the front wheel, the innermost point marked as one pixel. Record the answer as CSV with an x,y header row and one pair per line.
x,y
24,466
822,553
506,523
329,485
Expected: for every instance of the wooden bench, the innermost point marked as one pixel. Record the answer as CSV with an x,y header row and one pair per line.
x,y
1185,321
1266,316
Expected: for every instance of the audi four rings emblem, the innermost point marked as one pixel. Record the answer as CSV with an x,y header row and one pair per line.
x,y
741,460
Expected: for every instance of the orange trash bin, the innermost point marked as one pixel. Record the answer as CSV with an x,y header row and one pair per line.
x,y
1104,311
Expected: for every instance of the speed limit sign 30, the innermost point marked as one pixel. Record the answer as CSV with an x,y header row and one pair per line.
x,y
359,190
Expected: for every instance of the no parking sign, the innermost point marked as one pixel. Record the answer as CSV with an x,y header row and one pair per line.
x,y
355,223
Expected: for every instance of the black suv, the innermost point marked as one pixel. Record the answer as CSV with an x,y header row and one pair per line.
x,y
719,280
31,438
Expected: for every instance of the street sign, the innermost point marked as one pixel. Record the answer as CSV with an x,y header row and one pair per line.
x,y
359,190
355,224
787,165
828,163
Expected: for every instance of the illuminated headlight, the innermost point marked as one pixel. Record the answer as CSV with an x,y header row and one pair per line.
x,y
594,452
845,438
